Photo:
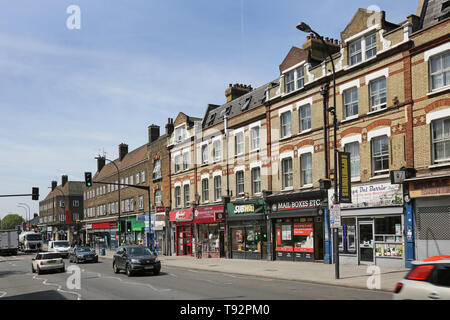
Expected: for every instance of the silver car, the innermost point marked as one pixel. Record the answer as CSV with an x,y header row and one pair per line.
x,y
47,261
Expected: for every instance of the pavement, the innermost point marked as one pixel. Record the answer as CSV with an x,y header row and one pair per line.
x,y
352,276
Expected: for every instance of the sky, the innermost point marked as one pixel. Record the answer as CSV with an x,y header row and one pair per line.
x,y
69,94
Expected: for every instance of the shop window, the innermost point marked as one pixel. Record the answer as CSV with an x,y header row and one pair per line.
x,y
209,237
347,236
283,235
248,239
388,237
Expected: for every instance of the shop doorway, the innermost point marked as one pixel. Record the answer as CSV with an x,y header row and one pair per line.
x,y
366,242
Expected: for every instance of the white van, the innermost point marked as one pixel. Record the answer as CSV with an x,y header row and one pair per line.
x,y
60,246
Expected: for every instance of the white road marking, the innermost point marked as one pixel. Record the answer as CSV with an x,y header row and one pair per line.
x,y
35,277
2,294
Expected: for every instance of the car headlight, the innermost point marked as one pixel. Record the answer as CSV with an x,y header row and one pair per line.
x,y
135,261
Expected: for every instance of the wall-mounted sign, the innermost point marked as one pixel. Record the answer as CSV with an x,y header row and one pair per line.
x,y
295,205
430,188
376,195
245,209
181,215
345,183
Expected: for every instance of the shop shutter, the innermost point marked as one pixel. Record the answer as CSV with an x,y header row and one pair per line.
x,y
433,223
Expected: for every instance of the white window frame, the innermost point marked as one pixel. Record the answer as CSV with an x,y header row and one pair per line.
x,y
204,153
240,194
284,126
217,187
364,49
350,104
239,143
301,119
379,93
217,149
255,141
442,72
254,181
205,199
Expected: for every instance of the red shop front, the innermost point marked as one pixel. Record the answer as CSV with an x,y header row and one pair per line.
x,y
102,234
200,231
210,228
184,228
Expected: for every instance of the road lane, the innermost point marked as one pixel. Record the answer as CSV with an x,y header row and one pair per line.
x,y
98,281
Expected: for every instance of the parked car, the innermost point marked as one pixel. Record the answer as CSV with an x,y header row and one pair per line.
x,y
59,246
427,280
82,254
46,261
134,259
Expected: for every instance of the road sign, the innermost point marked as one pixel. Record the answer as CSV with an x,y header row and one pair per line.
x,y
335,216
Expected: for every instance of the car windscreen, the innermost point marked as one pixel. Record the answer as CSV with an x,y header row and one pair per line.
x,y
138,251
34,237
49,256
61,244
83,249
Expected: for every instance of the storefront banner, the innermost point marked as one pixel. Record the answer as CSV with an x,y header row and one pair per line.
x,y
181,215
207,214
160,209
303,249
295,205
430,188
303,229
245,209
104,225
284,249
377,195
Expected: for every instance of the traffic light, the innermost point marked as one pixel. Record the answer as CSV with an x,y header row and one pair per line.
x,y
88,179
35,193
128,226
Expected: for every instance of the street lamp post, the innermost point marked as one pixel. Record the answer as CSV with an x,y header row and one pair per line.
x,y
118,191
64,197
26,216
306,28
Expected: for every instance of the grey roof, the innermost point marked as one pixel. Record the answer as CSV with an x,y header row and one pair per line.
x,y
434,11
253,99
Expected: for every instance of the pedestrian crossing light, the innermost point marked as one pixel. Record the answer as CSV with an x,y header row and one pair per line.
x,y
88,179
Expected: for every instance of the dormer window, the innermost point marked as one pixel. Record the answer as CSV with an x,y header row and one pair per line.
x,y
246,104
362,49
294,79
180,133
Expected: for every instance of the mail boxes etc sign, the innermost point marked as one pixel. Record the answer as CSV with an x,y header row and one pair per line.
x,y
295,205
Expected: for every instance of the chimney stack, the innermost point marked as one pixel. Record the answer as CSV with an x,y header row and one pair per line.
x,y
101,161
64,180
169,126
235,91
123,150
153,133
54,185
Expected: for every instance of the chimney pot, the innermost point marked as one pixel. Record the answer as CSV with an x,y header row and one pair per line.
x,y
64,180
153,132
54,185
101,161
123,150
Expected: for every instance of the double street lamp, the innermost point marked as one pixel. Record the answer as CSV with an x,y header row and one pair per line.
x,y
325,92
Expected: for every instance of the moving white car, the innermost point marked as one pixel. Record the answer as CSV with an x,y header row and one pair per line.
x,y
428,280
60,246
47,261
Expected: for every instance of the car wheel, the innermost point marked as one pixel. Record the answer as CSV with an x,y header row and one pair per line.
x,y
116,270
39,270
32,269
129,272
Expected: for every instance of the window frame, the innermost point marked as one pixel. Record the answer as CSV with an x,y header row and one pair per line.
x,y
383,156
186,194
288,175
306,172
255,182
350,104
240,194
205,191
217,188
204,154
377,95
285,126
442,71
442,140
255,141
353,159
239,143
307,118
177,191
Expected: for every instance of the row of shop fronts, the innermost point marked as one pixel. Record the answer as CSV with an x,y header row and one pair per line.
x,y
293,226
386,224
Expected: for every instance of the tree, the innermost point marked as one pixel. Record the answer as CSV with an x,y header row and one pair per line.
x,y
10,221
